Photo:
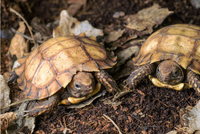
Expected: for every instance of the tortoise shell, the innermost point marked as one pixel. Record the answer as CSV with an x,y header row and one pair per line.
x,y
52,65
180,43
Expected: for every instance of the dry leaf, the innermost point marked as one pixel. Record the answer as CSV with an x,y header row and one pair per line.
x,y
70,25
172,132
7,119
5,94
88,101
125,70
145,19
114,35
190,118
75,6
125,54
72,10
195,3
22,121
18,45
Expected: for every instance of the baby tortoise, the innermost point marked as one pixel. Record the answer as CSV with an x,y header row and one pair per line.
x,y
69,62
171,58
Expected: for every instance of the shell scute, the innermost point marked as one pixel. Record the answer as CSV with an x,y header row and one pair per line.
x,y
31,56
90,66
53,41
44,75
180,43
187,32
33,66
196,50
64,79
52,88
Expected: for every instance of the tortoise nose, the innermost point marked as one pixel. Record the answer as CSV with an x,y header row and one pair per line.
x,y
165,79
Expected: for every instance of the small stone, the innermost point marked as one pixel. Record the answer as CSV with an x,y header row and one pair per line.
x,y
118,14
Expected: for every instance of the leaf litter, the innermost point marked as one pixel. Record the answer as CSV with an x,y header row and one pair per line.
x,y
145,19
145,27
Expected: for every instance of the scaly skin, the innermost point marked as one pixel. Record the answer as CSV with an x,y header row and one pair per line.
x,y
38,107
137,75
105,79
194,80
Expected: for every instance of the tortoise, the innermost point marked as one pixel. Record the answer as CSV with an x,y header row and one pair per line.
x,y
171,59
64,63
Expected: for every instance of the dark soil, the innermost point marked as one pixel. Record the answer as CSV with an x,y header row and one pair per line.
x,y
148,109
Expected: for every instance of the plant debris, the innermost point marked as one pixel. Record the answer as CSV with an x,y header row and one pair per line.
x,y
148,109
145,19
69,25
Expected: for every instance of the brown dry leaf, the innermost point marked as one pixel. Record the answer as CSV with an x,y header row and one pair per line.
x,y
7,119
70,25
114,35
145,19
75,6
39,132
18,45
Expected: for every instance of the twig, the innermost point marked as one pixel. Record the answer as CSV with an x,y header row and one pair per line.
x,y
163,103
27,37
12,10
113,123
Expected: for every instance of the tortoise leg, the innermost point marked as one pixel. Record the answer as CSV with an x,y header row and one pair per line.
x,y
105,79
38,107
137,75
194,80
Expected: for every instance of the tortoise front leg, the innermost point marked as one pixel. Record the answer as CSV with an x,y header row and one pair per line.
x,y
38,107
194,80
137,75
105,79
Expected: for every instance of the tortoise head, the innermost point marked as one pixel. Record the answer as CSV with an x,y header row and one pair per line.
x,y
169,72
81,85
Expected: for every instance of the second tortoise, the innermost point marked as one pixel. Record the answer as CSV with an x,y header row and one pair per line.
x,y
171,58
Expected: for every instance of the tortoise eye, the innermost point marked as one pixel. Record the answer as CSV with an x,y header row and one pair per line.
x,y
78,86
158,70
175,74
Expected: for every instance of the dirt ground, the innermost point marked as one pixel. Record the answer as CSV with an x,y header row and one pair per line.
x,y
148,109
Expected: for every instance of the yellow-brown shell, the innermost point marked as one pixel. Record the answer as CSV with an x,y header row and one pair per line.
x,y
52,65
180,43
